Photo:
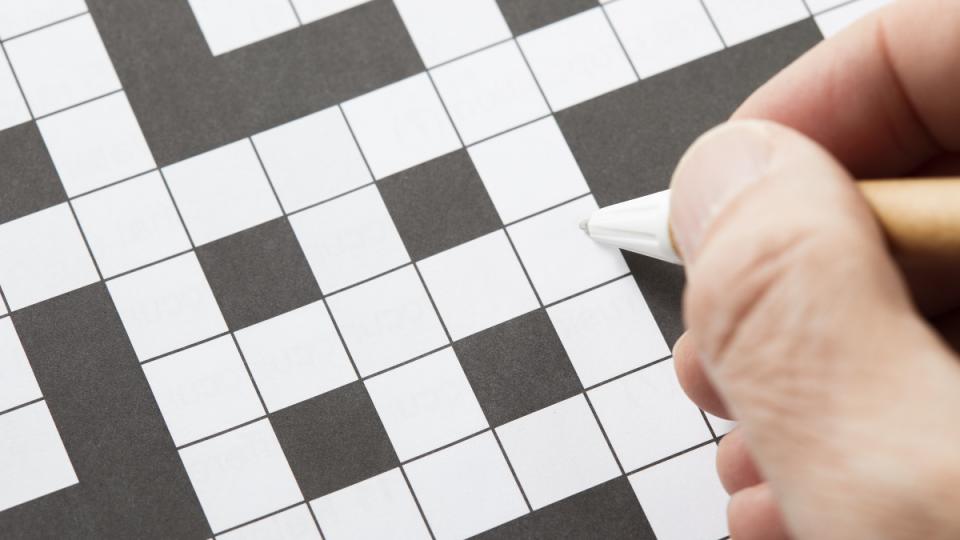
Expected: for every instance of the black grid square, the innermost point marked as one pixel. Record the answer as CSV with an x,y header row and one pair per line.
x,y
517,367
258,273
334,440
526,15
610,511
28,179
439,204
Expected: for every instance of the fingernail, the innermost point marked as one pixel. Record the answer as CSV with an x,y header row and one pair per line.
x,y
717,167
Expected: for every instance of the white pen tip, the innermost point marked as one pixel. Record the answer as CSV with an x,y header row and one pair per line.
x,y
583,225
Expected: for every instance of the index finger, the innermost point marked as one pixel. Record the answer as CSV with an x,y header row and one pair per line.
x,y
882,96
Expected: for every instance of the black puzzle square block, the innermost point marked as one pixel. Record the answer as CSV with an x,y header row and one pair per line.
x,y
517,367
28,179
525,15
628,142
258,273
610,511
439,204
334,440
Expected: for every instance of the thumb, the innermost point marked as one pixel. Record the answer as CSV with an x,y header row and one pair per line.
x,y
846,397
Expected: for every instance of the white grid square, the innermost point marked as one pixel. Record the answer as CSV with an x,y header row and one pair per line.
x,y
131,224
379,507
166,306
33,461
203,390
293,524
661,34
608,331
577,58
240,475
647,416
96,143
466,489
721,426
43,255
231,24
837,19
387,320
401,125
682,498
740,20
349,239
558,451
17,383
13,110
426,404
19,16
489,92
62,65
528,169
478,284
443,30
295,356
560,259
819,6
312,159
314,10
222,192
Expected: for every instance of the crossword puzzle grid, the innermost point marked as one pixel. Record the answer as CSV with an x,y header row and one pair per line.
x,y
380,319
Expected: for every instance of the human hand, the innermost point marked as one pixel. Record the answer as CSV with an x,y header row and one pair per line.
x,y
801,326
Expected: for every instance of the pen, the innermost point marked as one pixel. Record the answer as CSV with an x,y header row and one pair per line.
x,y
919,216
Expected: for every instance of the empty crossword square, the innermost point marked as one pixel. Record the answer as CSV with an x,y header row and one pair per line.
x,y
478,284
662,34
721,426
528,169
349,239
17,383
466,488
439,204
222,191
608,331
380,507
312,159
166,306
258,273
313,10
43,255
28,179
681,488
131,224
817,6
387,320
489,92
426,404
33,461
517,367
443,30
647,416
577,58
295,524
62,65
19,16
295,356
13,110
740,20
96,143
334,440
203,390
231,24
401,125
240,475
558,451
560,259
